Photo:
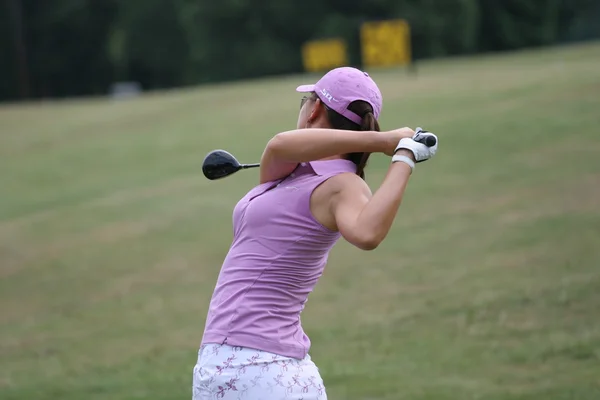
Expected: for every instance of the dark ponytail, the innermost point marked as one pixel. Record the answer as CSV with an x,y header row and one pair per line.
x,y
369,123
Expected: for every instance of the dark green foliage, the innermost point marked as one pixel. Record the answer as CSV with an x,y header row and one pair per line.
x,y
78,47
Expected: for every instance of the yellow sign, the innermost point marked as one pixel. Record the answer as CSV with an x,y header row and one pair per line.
x,y
321,55
385,43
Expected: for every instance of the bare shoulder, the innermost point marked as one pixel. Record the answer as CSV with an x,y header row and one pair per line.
x,y
342,188
347,183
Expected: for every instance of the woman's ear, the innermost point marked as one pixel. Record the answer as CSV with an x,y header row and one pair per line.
x,y
316,111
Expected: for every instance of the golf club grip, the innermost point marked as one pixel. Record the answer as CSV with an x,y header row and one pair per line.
x,y
428,141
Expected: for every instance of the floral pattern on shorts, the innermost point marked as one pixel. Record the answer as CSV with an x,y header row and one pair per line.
x,y
238,373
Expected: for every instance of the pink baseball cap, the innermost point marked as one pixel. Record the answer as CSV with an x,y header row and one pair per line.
x,y
341,86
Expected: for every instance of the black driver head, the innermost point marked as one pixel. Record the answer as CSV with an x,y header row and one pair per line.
x,y
218,164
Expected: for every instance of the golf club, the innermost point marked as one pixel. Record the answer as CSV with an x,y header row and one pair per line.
x,y
428,141
220,163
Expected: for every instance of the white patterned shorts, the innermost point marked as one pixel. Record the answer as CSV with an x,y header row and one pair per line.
x,y
239,373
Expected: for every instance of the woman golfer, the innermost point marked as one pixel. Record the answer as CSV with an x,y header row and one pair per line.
x,y
311,193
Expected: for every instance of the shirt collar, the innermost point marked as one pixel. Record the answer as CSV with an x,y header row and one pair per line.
x,y
325,167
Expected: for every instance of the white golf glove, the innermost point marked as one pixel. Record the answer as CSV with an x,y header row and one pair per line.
x,y
416,145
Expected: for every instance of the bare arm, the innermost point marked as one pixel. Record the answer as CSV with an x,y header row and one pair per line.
x,y
287,149
365,220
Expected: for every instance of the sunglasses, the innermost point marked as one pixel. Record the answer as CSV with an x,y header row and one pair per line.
x,y
303,100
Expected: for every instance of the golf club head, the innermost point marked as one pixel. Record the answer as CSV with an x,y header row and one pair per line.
x,y
218,164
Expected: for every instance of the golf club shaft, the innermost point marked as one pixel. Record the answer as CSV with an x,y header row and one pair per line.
x,y
423,140
244,166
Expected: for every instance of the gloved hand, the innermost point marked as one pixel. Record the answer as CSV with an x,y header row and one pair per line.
x,y
416,145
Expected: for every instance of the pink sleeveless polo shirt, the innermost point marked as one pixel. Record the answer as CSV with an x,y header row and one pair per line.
x,y
278,253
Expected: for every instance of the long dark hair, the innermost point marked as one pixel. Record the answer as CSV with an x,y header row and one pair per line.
x,y
369,123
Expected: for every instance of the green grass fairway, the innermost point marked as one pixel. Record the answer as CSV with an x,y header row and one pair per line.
x,y
488,286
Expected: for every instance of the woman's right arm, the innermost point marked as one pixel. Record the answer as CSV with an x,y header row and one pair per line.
x,y
287,149
364,220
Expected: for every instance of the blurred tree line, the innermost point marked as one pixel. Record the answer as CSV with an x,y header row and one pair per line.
x,y
79,47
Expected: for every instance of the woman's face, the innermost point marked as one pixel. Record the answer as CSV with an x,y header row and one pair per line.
x,y
306,108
